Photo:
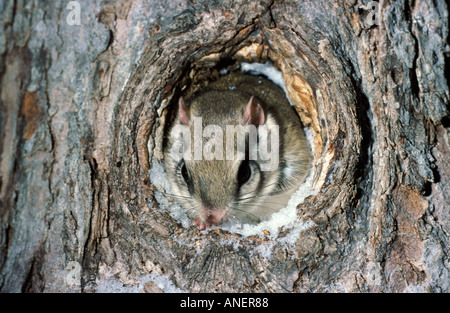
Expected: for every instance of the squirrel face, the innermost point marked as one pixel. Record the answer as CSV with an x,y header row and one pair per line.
x,y
217,190
214,190
243,188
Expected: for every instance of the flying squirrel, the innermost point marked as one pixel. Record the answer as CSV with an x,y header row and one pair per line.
x,y
238,189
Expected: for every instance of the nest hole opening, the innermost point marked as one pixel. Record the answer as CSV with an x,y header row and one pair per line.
x,y
197,75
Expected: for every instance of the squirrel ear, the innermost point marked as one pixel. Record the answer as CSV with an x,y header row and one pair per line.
x,y
183,112
253,113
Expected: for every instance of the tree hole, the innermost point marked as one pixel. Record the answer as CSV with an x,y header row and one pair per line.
x,y
199,76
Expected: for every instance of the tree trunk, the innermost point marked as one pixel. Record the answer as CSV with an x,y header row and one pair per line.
x,y
82,108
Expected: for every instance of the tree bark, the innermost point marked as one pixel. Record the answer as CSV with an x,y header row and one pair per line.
x,y
82,108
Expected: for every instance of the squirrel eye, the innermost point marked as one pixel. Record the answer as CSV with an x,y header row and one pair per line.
x,y
184,173
244,172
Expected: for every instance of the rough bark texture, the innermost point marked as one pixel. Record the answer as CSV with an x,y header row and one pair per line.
x,y
81,104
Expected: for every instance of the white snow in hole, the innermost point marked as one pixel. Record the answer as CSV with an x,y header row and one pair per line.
x,y
163,282
223,71
159,179
114,285
286,217
268,70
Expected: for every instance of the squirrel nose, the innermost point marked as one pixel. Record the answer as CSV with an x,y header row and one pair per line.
x,y
213,215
